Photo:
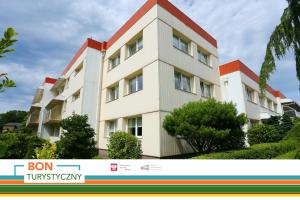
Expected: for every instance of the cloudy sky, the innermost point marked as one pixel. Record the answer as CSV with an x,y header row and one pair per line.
x,y
51,31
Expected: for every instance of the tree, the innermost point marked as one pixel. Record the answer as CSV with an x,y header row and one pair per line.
x,y
123,145
77,140
285,37
207,125
286,124
5,43
16,116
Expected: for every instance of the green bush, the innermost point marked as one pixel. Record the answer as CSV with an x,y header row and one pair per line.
x,y
19,145
124,146
259,151
3,149
262,133
77,140
47,151
207,125
297,155
288,155
294,133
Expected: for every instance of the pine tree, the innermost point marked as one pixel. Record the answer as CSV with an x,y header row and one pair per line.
x,y
285,37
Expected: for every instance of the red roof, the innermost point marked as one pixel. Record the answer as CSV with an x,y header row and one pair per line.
x,y
237,65
49,80
137,16
168,7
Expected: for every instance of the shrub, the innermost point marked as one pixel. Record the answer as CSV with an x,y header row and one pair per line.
x,y
262,133
207,125
258,151
294,133
19,145
124,146
3,149
77,140
285,125
47,151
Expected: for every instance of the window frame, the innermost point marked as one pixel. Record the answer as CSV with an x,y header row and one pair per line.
x,y
252,94
204,55
138,87
181,41
114,88
112,59
76,95
78,69
138,45
205,86
136,126
181,83
109,133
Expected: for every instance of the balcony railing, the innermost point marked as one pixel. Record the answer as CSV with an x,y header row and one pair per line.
x,y
53,115
33,119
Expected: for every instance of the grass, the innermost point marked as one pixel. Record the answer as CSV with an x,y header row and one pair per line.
x,y
288,155
258,151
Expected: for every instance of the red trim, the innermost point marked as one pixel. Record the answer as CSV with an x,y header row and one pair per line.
x,y
88,43
239,66
171,9
49,80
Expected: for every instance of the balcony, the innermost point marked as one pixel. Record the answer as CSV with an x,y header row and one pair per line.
x,y
53,112
33,118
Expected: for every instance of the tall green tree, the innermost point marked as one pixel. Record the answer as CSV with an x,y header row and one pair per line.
x,y
77,140
285,37
5,47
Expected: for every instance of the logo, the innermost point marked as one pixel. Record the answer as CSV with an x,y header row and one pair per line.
x,y
50,172
145,167
113,167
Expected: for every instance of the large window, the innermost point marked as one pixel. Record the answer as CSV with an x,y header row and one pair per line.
x,y
269,104
135,46
114,61
76,96
202,57
250,94
135,126
182,82
113,93
112,127
180,44
78,69
206,90
135,84
262,100
275,107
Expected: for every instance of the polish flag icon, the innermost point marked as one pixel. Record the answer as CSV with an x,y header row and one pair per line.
x,y
114,167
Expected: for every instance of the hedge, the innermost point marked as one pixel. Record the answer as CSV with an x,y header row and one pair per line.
x,y
259,151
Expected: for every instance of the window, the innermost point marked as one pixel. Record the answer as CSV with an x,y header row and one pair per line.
x,y
135,126
76,95
112,127
250,94
269,104
78,69
113,93
262,100
206,90
275,107
202,57
114,61
180,44
135,84
135,46
182,82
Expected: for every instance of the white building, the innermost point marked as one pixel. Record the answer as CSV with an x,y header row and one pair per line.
x,y
240,85
157,61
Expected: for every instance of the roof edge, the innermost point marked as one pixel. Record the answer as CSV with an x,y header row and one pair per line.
x,y
238,65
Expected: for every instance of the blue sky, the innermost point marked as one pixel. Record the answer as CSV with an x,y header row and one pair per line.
x,y
50,33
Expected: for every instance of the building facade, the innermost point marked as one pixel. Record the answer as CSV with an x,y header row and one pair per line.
x,y
157,61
